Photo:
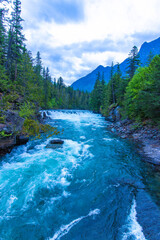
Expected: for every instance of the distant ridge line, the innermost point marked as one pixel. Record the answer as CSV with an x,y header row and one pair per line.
x,y
87,82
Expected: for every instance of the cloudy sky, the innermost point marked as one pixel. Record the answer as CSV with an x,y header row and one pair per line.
x,y
75,36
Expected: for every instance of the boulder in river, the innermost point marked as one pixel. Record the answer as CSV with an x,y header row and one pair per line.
x,y
21,139
7,144
114,114
55,143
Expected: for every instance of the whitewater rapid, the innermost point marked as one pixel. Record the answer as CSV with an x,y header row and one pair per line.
x,y
91,188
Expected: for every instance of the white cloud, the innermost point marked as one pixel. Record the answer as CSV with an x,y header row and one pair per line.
x,y
116,20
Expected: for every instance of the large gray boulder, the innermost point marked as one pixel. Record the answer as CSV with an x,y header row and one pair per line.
x,y
55,143
7,144
117,114
11,132
14,120
21,139
114,115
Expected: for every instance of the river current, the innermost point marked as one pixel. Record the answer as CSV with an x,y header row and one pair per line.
x,y
96,187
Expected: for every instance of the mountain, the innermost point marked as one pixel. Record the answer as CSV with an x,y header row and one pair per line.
x,y
87,83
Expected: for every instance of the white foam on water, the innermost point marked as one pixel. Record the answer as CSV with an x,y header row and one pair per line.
x,y
94,212
10,201
75,152
77,117
64,229
47,180
82,137
85,151
66,194
30,192
65,172
50,180
53,199
6,215
73,115
15,165
133,227
90,140
81,181
63,181
26,159
4,184
73,146
108,139
46,177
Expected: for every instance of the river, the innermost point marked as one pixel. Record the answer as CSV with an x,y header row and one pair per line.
x,y
96,187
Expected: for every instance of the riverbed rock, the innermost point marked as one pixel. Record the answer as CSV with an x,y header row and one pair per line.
x,y
117,114
7,144
12,126
44,115
145,136
14,120
55,143
21,139
114,114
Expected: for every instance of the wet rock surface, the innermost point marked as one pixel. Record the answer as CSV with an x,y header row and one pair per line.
x,y
7,144
21,139
114,114
147,137
11,132
55,143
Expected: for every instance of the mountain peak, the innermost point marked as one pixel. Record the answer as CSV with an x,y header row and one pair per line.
x,y
87,82
100,67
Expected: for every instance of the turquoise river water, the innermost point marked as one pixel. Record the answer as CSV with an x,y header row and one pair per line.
x,y
96,187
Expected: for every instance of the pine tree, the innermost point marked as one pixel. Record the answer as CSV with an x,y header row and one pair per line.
x,y
112,83
103,80
16,36
133,62
96,95
60,83
2,37
38,66
150,57
45,76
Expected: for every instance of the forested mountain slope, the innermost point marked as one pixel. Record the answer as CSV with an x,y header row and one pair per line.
x,y
87,82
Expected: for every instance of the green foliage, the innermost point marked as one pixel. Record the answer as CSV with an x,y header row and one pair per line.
x,y
136,125
34,129
113,91
138,95
2,119
4,83
3,134
142,98
27,110
11,97
52,104
97,94
133,62
22,78
4,104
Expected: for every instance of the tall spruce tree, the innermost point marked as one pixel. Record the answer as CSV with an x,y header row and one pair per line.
x,y
133,62
113,83
96,95
38,65
16,36
2,36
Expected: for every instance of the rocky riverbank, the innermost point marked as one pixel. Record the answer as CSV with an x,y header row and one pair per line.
x,y
15,130
147,137
11,134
